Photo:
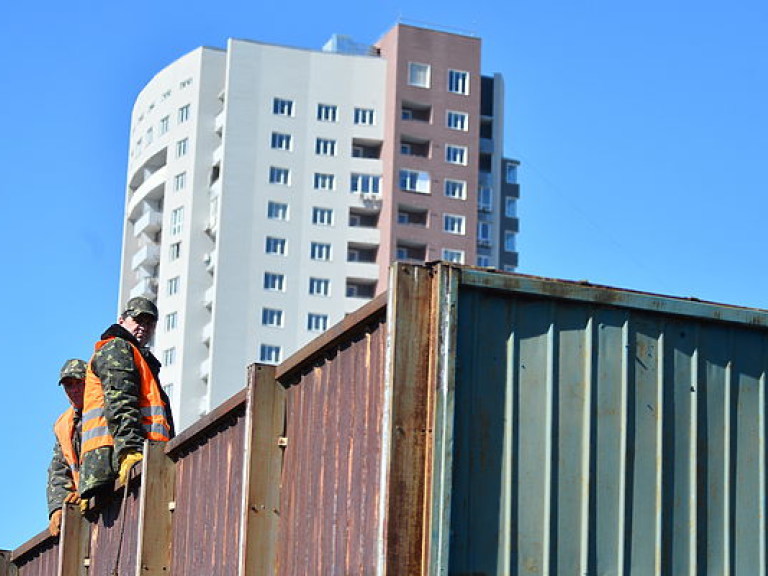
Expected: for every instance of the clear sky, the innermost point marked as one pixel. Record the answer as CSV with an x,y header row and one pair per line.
x,y
642,129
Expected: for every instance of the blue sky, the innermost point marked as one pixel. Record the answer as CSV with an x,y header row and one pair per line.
x,y
642,129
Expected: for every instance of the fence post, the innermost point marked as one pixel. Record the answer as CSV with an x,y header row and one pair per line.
x,y
265,427
73,541
6,566
158,483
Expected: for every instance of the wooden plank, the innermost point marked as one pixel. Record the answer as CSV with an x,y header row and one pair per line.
x,y
158,482
265,426
411,435
73,542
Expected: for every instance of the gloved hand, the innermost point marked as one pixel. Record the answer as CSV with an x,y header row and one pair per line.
x,y
54,524
83,506
127,462
72,498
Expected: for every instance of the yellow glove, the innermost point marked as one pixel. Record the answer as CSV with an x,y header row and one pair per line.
x,y
72,498
83,506
54,524
126,463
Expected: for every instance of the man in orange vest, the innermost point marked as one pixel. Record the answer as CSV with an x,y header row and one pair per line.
x,y
64,469
124,403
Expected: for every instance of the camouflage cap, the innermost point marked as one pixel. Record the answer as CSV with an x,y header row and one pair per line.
x,y
140,305
73,368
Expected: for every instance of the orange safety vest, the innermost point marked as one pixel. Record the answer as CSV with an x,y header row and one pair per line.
x,y
151,406
64,430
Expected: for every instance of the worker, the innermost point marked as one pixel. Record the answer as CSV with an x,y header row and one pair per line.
x,y
63,472
124,402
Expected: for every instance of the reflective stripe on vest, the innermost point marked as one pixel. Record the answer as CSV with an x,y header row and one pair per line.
x,y
65,430
152,409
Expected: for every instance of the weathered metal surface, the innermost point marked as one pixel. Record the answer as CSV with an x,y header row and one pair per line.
x,y
330,513
37,557
599,431
207,515
105,533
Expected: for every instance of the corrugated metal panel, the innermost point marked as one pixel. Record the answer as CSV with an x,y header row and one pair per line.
x,y
39,557
105,534
209,474
331,475
599,431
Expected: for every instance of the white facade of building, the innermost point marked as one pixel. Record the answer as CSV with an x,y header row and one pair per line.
x,y
255,183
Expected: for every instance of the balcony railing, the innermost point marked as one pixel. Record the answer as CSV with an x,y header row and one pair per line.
x,y
148,255
149,222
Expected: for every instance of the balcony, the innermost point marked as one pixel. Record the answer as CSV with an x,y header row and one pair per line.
x,y
146,287
147,256
205,369
207,332
218,123
486,146
149,222
208,298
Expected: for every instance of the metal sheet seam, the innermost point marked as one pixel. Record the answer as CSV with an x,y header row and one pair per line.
x,y
549,467
659,451
586,442
442,478
246,477
761,460
727,488
386,428
693,464
508,489
624,419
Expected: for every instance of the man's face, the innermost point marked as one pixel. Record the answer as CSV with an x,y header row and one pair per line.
x,y
74,388
142,327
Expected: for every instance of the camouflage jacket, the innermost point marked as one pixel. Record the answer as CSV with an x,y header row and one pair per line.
x,y
60,480
114,365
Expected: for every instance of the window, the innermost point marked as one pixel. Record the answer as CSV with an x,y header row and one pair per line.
x,y
275,246
457,121
327,112
458,82
148,137
277,211
456,154
175,251
270,353
177,220
364,116
510,207
274,281
456,256
179,181
322,216
272,317
324,181
406,148
325,147
509,241
456,189
173,285
317,322
169,357
279,175
366,183
418,74
511,174
184,83
183,114
171,321
484,261
484,233
282,107
319,251
281,141
164,124
484,199
453,224
319,286
414,181
181,147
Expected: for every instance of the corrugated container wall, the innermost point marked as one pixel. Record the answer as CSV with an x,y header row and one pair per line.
x,y
599,431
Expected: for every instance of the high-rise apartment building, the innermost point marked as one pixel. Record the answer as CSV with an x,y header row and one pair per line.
x,y
270,187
